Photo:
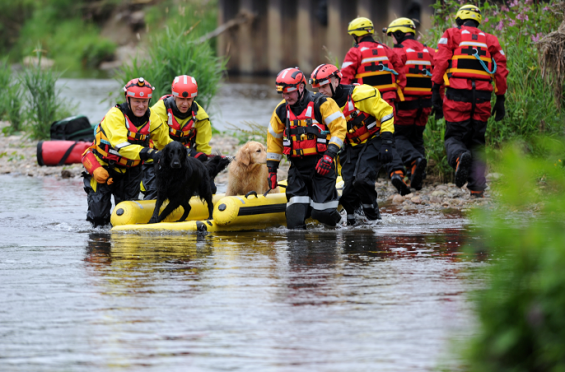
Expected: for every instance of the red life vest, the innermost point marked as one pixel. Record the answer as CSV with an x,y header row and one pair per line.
x,y
376,69
418,68
186,134
360,125
463,63
303,134
136,136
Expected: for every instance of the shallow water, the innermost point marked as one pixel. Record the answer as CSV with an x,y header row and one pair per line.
x,y
387,297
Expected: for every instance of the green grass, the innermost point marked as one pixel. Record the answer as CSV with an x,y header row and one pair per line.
x,y
44,102
175,52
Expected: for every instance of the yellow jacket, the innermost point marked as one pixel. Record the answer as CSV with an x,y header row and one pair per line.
x,y
202,125
329,112
368,99
114,126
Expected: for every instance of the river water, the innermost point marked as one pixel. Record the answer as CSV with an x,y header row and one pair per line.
x,y
385,297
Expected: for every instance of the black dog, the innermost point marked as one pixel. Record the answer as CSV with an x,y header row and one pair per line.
x,y
179,177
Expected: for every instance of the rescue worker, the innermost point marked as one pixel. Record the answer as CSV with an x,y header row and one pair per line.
x,y
412,113
121,143
188,123
309,128
467,62
373,63
368,142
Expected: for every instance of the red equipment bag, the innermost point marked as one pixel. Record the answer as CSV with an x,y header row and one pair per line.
x,y
60,152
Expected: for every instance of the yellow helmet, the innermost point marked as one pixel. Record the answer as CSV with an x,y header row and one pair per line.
x,y
469,11
360,26
405,25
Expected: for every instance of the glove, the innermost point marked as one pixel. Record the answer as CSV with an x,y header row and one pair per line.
x,y
101,175
149,153
385,154
437,104
324,165
198,155
272,166
498,108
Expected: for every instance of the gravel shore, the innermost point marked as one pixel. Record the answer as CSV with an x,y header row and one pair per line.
x,y
18,156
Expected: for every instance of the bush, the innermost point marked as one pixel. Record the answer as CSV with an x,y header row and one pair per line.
x,y
10,100
520,313
45,103
530,107
173,52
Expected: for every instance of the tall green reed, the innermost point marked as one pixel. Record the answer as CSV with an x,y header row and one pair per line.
x,y
11,99
44,103
177,51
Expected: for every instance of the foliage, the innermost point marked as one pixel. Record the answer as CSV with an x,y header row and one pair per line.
x,y
256,132
520,313
71,41
174,52
11,99
433,138
518,26
45,103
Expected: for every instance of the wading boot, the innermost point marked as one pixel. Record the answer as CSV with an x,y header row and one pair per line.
x,y
477,194
418,170
397,179
351,220
463,169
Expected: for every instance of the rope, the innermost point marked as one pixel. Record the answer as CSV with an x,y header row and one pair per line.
x,y
476,55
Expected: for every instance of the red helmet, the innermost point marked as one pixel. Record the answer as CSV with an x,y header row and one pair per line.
x,y
289,79
184,86
138,88
323,73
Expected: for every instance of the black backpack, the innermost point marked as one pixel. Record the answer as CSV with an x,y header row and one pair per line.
x,y
74,128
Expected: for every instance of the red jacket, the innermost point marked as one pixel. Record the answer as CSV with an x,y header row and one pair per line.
x,y
400,51
449,42
353,59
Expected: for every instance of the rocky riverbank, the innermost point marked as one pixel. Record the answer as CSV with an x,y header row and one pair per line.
x,y
18,156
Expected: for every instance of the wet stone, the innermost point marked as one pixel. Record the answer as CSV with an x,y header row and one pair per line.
x,y
397,199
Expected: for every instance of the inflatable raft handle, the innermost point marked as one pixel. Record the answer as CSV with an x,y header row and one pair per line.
x,y
251,193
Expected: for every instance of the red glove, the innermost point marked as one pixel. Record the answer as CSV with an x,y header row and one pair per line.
x,y
324,165
273,180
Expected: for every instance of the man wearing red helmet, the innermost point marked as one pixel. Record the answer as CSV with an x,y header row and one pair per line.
x,y
368,142
188,123
120,146
412,114
309,128
468,61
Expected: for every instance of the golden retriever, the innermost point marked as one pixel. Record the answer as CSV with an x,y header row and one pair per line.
x,y
248,171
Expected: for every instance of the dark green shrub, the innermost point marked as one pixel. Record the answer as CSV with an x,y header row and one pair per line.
x,y
44,102
520,313
10,99
176,51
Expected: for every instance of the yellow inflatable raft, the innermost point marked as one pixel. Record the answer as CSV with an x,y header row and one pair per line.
x,y
231,213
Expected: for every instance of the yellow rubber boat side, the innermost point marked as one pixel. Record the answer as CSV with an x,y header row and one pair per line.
x,y
231,213
140,211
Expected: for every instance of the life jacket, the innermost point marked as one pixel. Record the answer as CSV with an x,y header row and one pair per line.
x,y
376,69
418,68
186,134
136,136
464,62
303,134
360,125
